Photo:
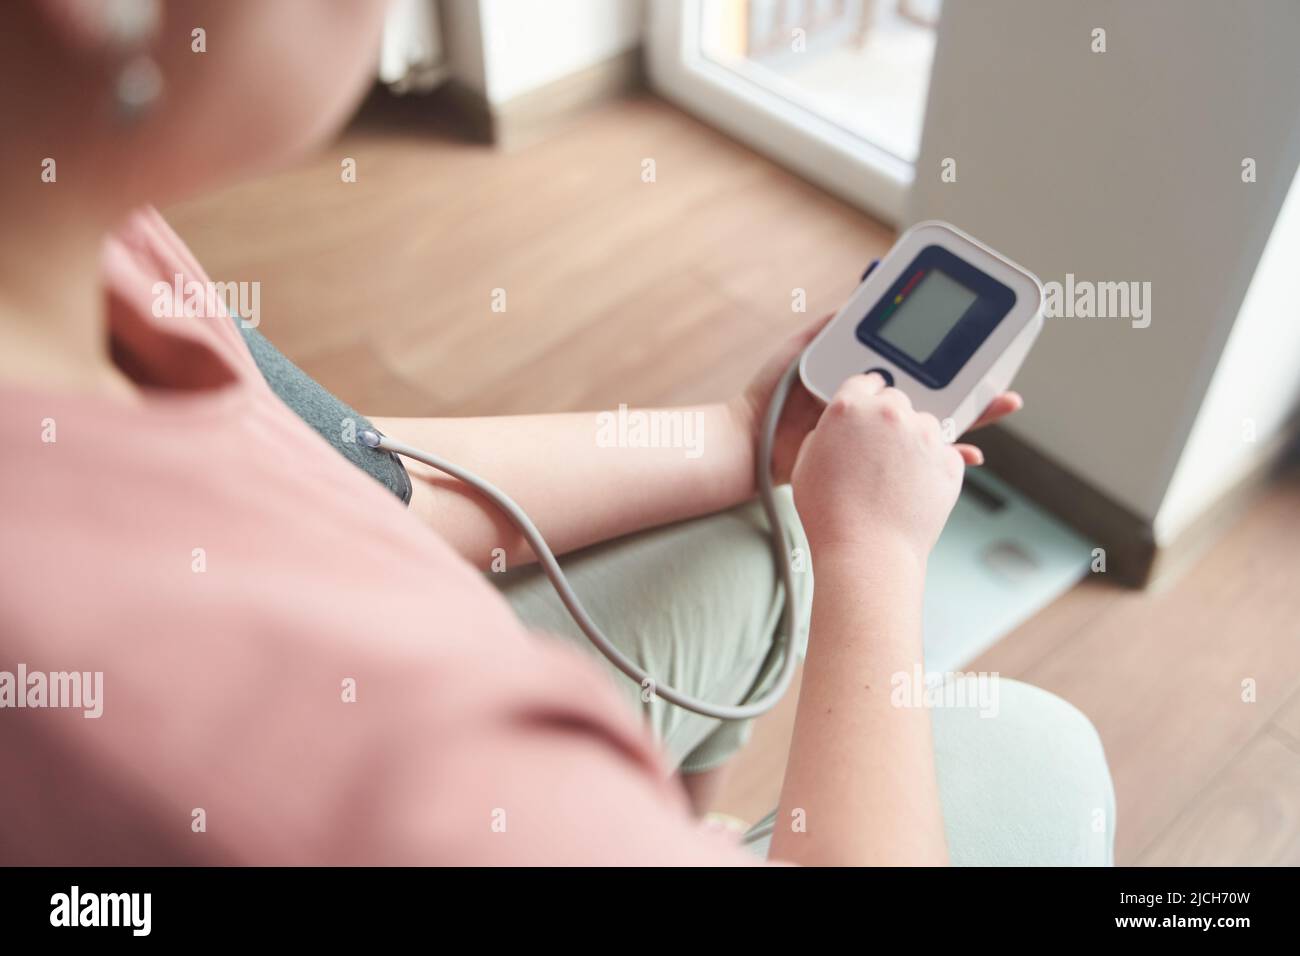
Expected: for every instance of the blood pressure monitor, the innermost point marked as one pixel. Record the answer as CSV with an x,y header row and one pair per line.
x,y
942,317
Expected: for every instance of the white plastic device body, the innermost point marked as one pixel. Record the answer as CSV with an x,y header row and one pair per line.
x,y
980,361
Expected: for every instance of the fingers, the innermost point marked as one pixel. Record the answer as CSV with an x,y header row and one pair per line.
x,y
1005,404
857,390
999,408
809,332
794,345
860,387
931,430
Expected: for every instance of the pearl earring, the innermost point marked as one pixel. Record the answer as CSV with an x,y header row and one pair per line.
x,y
137,87
129,25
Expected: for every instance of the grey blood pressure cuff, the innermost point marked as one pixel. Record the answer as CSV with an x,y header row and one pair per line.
x,y
326,414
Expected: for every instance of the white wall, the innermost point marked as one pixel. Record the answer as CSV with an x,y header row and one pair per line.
x,y
1124,165
1256,387
529,43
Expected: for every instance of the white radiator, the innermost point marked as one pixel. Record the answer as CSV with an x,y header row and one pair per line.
x,y
412,59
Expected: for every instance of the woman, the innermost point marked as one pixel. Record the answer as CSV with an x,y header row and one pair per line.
x,y
297,668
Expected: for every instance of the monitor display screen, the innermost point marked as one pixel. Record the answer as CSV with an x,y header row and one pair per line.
x,y
924,311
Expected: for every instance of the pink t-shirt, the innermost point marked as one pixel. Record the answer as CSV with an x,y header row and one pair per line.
x,y
237,583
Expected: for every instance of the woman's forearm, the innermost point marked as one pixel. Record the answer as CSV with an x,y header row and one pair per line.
x,y
860,787
583,477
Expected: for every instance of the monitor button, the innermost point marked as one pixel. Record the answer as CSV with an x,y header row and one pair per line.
x,y
883,373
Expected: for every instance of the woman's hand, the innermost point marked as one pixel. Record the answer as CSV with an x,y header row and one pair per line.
x,y
802,410
873,486
875,473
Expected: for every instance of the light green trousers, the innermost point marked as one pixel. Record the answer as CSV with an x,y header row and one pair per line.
x,y
696,604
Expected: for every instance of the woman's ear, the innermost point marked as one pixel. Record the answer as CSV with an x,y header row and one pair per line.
x,y
115,34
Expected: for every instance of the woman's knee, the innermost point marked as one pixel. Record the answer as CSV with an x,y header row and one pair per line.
x,y
1024,780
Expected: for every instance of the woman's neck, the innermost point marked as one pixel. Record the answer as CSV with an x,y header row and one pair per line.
x,y
53,327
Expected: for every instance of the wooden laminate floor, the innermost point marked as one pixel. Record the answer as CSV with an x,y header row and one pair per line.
x,y
620,290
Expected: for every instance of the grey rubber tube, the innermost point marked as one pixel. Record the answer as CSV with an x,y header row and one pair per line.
x,y
780,546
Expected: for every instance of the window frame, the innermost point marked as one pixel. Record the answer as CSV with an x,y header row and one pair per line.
x,y
779,125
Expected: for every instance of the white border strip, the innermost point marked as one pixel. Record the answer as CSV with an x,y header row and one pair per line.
x,y
774,124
